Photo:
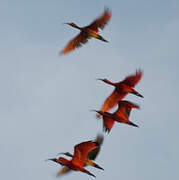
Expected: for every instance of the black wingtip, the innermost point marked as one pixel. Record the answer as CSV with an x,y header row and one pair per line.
x,y
106,130
99,167
104,40
141,96
53,159
92,175
132,124
138,94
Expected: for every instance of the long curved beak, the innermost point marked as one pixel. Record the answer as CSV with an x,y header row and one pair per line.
x,y
99,79
53,159
99,113
65,23
94,111
61,153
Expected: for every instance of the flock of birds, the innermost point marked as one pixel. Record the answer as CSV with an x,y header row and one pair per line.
x,y
86,152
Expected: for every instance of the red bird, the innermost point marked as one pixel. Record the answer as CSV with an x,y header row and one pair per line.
x,y
78,161
122,88
90,157
121,115
88,32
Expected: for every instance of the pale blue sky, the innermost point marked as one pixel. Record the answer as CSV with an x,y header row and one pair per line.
x,y
45,99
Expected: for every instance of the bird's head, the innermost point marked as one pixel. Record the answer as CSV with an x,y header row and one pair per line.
x,y
53,159
104,80
96,111
99,113
71,24
107,81
60,160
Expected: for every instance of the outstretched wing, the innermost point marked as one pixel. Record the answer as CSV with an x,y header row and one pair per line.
x,y
93,153
64,170
111,101
101,21
132,80
81,151
121,114
124,109
77,42
127,104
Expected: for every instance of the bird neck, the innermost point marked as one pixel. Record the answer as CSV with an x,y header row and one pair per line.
x,y
64,162
106,114
111,83
77,27
110,115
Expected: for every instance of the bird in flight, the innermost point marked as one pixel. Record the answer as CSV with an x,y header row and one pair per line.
x,y
122,88
90,157
120,115
88,32
78,160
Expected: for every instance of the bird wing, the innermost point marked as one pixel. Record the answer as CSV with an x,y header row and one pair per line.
x,y
121,114
124,109
107,123
64,170
111,101
128,104
129,107
93,153
127,111
77,42
132,80
101,21
81,151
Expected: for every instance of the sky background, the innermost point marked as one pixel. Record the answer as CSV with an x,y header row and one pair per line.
x,y
45,99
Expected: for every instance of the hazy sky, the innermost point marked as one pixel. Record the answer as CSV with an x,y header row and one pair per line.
x,y
45,99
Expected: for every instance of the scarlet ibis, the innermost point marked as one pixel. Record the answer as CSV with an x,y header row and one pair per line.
x,y
78,160
90,157
120,115
88,32
122,88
